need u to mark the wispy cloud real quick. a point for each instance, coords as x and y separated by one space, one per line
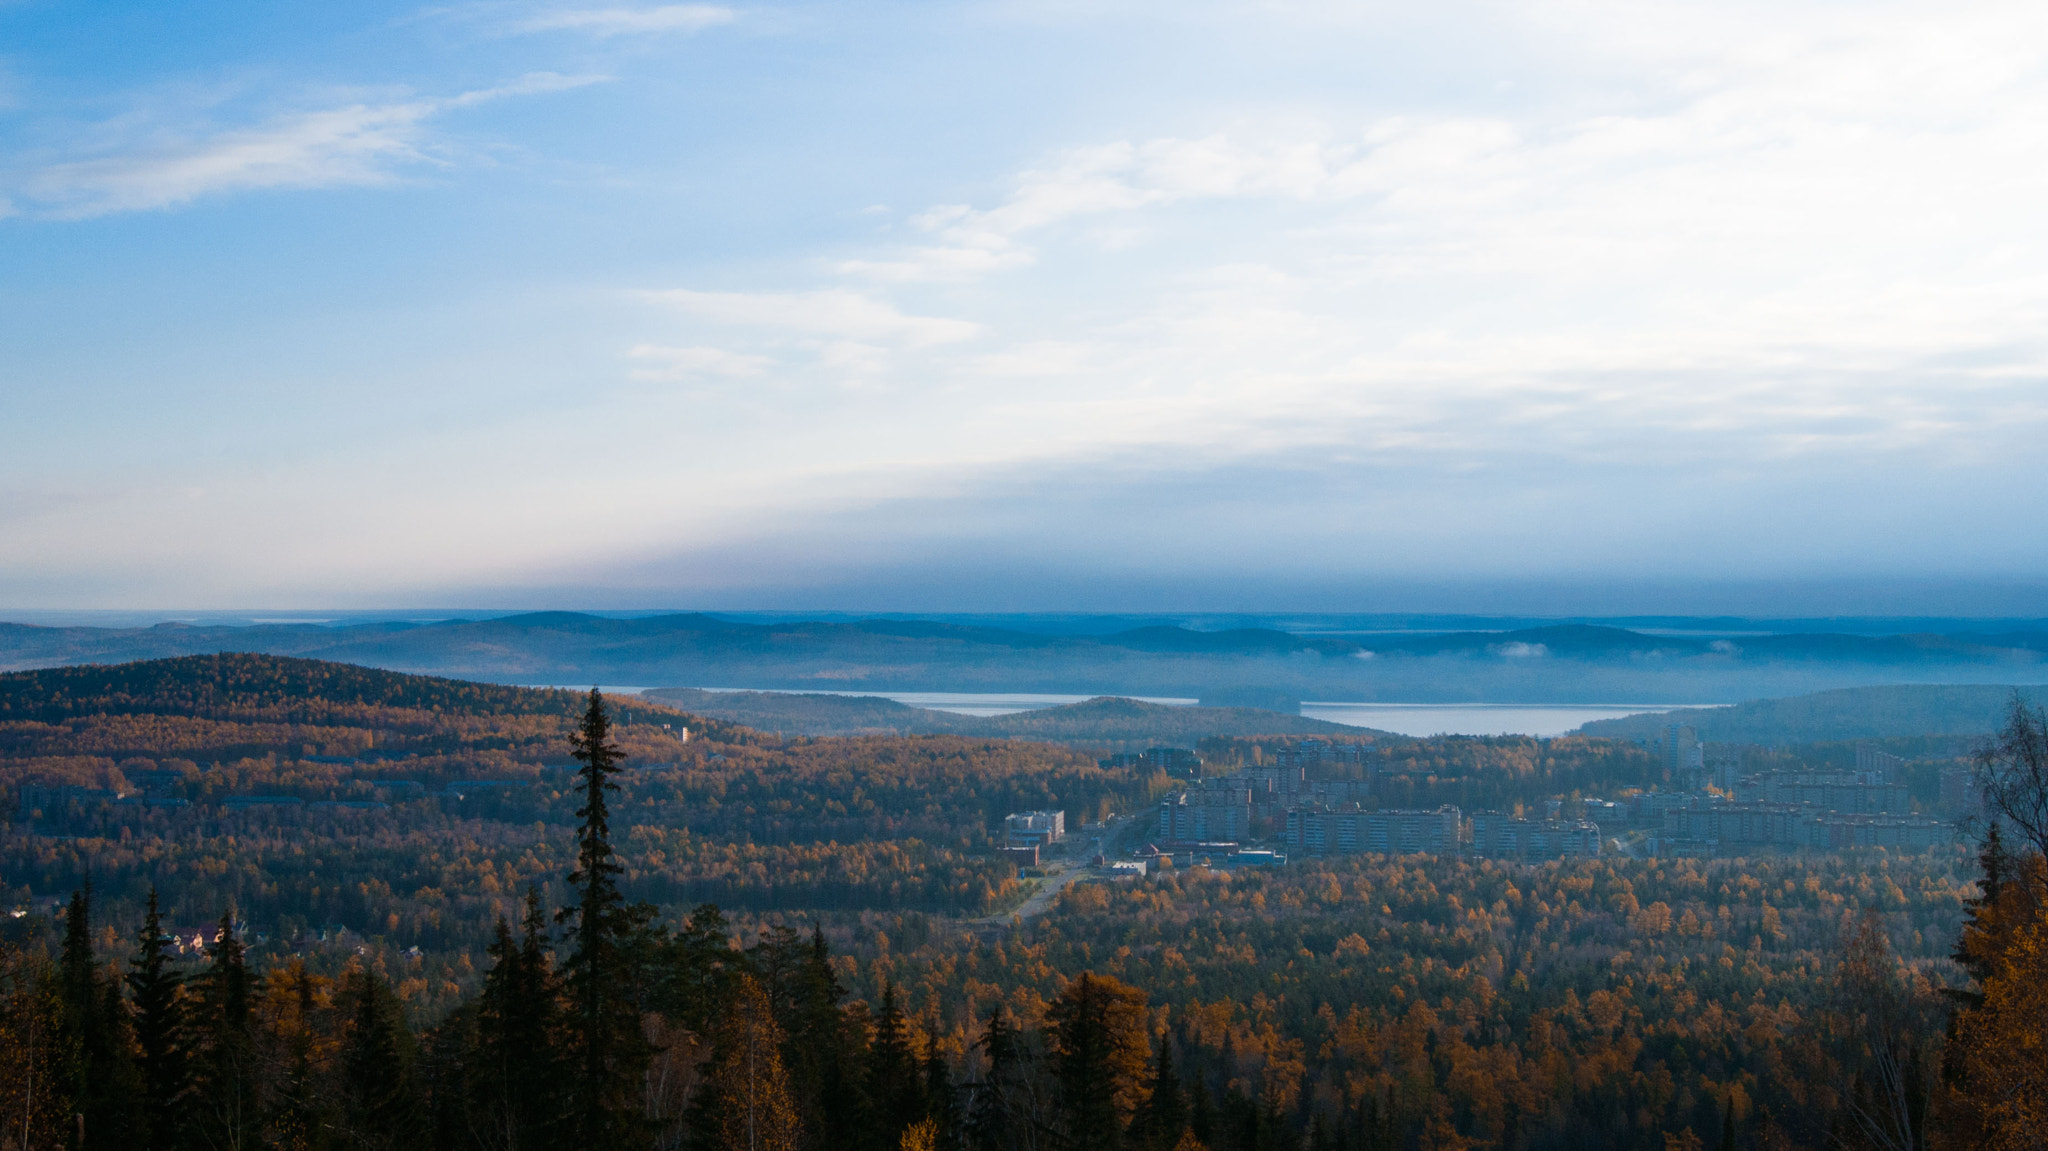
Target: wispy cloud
356 144
607 22
834 312
677 364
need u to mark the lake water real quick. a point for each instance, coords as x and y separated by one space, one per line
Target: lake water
1541 719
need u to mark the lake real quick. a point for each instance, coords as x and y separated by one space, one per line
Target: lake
1541 719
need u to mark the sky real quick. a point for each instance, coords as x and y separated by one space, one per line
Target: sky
1025 305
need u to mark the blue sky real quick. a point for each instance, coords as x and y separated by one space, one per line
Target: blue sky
1023 305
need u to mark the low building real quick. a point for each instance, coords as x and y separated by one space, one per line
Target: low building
1836 830
1034 828
1859 792
1497 835
1728 828
1327 831
1024 856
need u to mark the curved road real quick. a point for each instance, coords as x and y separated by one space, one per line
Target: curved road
1049 889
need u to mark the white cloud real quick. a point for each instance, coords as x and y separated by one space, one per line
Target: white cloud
832 312
695 362
607 22
357 144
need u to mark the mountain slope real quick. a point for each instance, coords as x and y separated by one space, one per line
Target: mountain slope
1885 712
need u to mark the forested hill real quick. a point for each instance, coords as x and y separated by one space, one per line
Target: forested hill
245 688
252 686
1882 712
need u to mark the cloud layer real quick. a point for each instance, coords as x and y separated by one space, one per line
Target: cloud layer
1317 296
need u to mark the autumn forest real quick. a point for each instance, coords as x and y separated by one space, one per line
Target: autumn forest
262 902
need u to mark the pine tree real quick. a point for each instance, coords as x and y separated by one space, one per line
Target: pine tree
383 1108
1981 939
605 1042
895 1097
1097 1031
701 966
516 1074
1164 1116
225 1115
158 994
821 1051
299 1121
993 1112
104 1085
941 1099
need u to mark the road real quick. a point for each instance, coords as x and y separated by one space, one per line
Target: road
1049 889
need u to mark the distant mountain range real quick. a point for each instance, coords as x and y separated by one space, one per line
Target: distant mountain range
1575 662
1890 711
1106 720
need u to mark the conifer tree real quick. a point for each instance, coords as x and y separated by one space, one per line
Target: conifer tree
605 1042
225 1115
701 966
104 1087
299 1119
516 1073
158 993
382 1106
1099 1049
821 1050
941 1099
992 1113
895 1096
1164 1116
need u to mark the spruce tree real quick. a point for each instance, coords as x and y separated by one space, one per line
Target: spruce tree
941 1099
383 1107
225 1116
895 1097
299 1120
821 1050
515 1071
605 1042
993 1111
104 1085
1099 1053
1159 1123
158 993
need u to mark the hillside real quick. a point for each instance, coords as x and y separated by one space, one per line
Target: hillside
249 685
1884 712
1105 720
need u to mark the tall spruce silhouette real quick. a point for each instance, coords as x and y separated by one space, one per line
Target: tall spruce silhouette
158 994
104 1090
609 1053
225 1112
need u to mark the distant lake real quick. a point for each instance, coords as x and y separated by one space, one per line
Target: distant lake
1541 719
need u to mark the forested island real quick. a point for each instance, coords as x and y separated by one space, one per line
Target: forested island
268 902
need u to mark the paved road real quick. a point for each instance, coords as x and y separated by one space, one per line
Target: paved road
1049 889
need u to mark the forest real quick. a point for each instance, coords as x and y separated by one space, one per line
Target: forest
554 963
